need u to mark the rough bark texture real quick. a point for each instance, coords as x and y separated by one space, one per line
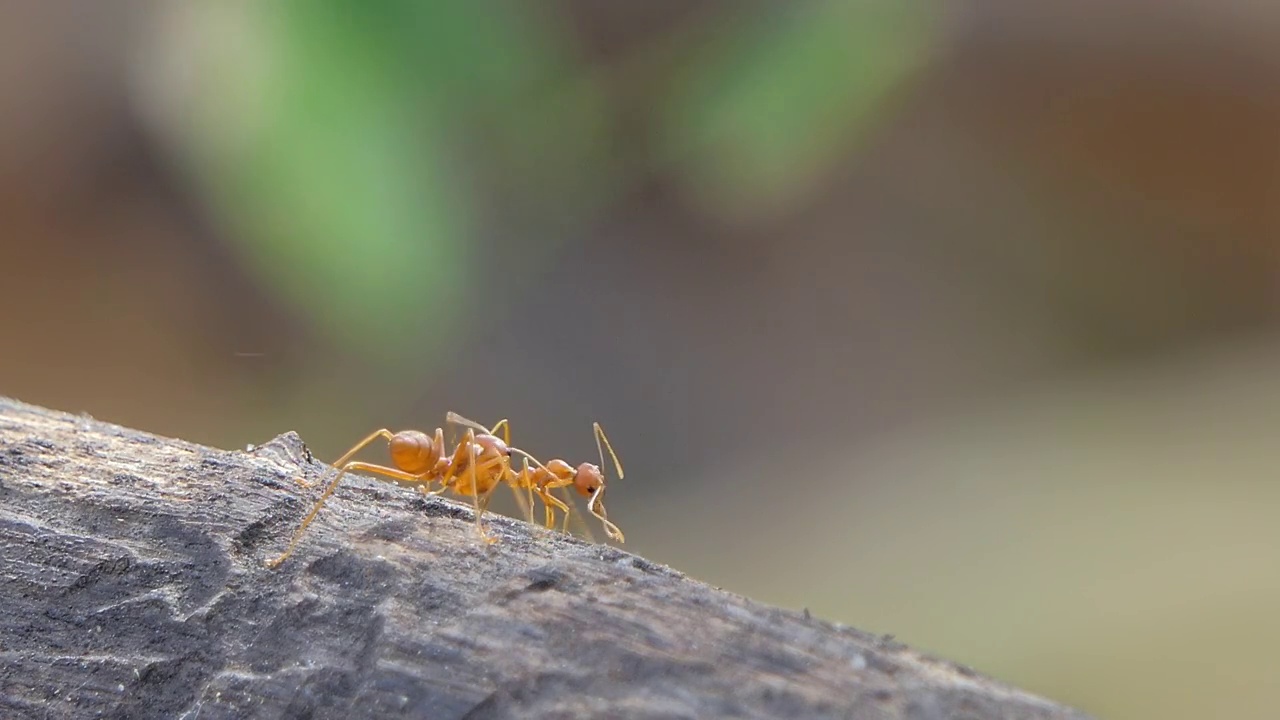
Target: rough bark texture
134 587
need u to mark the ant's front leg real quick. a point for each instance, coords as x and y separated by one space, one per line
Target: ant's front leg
610 529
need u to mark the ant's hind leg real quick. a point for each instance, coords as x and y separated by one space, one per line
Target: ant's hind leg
328 491
341 463
383 433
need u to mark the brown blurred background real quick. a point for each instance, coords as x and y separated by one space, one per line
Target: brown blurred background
956 322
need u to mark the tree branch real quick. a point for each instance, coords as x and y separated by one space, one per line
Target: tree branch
134 587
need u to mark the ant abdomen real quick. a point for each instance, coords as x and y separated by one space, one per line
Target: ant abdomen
414 452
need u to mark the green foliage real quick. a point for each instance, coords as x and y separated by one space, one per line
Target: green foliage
353 148
335 152
776 97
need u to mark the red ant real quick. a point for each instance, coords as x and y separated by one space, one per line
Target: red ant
479 463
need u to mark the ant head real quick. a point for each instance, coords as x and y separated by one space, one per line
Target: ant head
588 479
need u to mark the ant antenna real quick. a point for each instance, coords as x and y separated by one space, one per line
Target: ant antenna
600 436
602 443
603 515
535 460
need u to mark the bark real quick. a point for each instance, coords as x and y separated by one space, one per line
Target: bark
134 587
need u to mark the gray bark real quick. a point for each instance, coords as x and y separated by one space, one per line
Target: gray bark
134 587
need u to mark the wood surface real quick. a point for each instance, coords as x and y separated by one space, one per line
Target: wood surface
133 586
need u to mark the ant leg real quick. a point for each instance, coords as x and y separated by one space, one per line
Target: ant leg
438 446
526 506
568 513
475 494
383 433
506 430
547 501
574 518
383 470
548 515
328 491
484 507
523 480
609 528
394 473
451 477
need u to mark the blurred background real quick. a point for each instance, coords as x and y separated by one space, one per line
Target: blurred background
953 321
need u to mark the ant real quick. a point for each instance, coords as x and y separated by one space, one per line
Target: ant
588 479
480 462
